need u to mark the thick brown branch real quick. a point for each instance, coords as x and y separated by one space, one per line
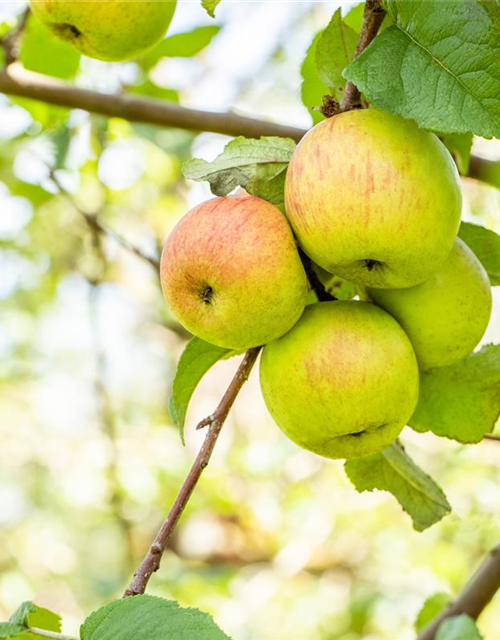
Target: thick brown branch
372 19
476 594
16 80
151 562
19 82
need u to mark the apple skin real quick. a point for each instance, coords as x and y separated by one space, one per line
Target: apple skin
111 30
231 273
343 382
374 199
446 316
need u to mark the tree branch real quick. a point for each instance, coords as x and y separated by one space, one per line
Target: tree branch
485 170
50 634
151 561
372 19
12 41
476 594
96 226
18 81
491 436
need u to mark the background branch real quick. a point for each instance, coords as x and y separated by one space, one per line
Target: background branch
12 41
98 227
18 81
151 562
476 594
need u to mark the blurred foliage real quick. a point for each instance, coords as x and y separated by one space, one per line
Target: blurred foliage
275 543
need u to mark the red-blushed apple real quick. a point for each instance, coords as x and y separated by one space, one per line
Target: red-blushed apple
111 30
374 199
343 382
446 316
231 273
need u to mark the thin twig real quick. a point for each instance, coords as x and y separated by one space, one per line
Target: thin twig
474 597
491 436
50 634
96 226
372 19
151 561
12 41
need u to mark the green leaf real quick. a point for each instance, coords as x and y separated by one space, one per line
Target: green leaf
460 146
394 471
180 45
354 17
61 140
198 357
438 65
30 615
210 6
460 627
146 617
431 609
47 54
461 401
22 613
312 89
152 90
9 630
335 285
334 50
486 245
259 166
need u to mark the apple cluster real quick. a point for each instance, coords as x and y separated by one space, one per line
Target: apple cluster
371 198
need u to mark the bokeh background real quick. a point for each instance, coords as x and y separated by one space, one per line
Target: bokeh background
276 544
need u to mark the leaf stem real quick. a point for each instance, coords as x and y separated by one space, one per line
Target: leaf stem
50 634
215 422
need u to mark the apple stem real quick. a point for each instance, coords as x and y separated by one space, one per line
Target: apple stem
316 285
215 422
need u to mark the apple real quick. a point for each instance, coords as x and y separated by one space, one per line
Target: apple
343 382
374 199
446 316
107 29
231 272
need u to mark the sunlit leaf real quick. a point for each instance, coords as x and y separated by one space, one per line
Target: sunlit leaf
151 618
461 401
394 471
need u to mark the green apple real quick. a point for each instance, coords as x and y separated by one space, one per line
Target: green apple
446 316
231 273
343 382
374 199
107 29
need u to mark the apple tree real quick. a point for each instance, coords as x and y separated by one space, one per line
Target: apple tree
337 255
